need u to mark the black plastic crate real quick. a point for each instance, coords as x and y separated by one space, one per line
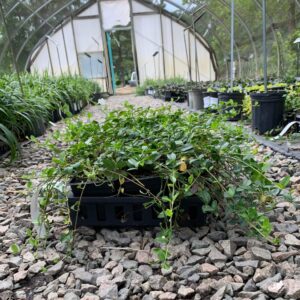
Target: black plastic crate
117 211
152 183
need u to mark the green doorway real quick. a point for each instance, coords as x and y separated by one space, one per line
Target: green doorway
120 55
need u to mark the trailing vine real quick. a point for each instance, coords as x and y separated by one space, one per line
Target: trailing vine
193 154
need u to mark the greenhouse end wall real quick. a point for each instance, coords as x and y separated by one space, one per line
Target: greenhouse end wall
67 50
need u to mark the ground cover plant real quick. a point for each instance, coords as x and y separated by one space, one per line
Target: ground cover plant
193 154
23 111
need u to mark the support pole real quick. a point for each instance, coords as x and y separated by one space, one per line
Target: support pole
197 71
105 50
75 45
59 61
264 44
232 46
298 60
11 49
162 42
173 50
133 40
65 48
50 59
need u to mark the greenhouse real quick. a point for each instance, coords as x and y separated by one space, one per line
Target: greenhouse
149 149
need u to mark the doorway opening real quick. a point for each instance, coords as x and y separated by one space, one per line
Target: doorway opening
119 42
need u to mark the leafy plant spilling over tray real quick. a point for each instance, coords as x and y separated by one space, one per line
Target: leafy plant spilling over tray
193 155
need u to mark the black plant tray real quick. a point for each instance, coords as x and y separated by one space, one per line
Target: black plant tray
124 212
92 189
152 183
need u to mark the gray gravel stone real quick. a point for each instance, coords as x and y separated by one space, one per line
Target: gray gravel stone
145 270
71 296
108 291
6 284
186 292
157 282
261 254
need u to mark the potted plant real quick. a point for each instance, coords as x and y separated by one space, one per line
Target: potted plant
234 95
195 95
191 155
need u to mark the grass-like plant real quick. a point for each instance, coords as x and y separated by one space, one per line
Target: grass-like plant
21 113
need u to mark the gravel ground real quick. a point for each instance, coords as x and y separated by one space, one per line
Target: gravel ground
214 262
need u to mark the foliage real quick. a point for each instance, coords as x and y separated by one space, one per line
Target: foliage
193 154
159 84
22 112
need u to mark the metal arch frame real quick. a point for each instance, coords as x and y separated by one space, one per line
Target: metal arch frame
203 39
88 4
228 31
16 32
76 12
200 38
41 26
12 8
249 34
222 50
52 30
258 4
55 28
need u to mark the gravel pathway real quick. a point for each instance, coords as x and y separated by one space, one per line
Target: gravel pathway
214 262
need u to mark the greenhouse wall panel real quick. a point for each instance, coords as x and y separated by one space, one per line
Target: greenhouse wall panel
42 62
115 13
70 48
140 8
90 11
168 46
180 52
148 42
86 32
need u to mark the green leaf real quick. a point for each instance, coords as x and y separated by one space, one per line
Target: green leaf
230 193
161 254
284 182
204 196
15 249
169 213
133 162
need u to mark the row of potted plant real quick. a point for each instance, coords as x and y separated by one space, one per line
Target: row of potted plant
267 111
27 109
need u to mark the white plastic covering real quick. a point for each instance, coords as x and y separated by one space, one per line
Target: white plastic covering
42 62
139 8
90 11
148 31
86 32
148 41
70 46
115 13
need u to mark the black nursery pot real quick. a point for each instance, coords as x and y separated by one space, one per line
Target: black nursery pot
96 97
56 115
3 148
236 98
39 128
74 109
267 110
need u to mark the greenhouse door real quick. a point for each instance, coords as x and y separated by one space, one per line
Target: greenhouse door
121 62
111 62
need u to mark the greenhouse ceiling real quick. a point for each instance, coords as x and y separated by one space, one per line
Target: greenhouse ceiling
30 21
